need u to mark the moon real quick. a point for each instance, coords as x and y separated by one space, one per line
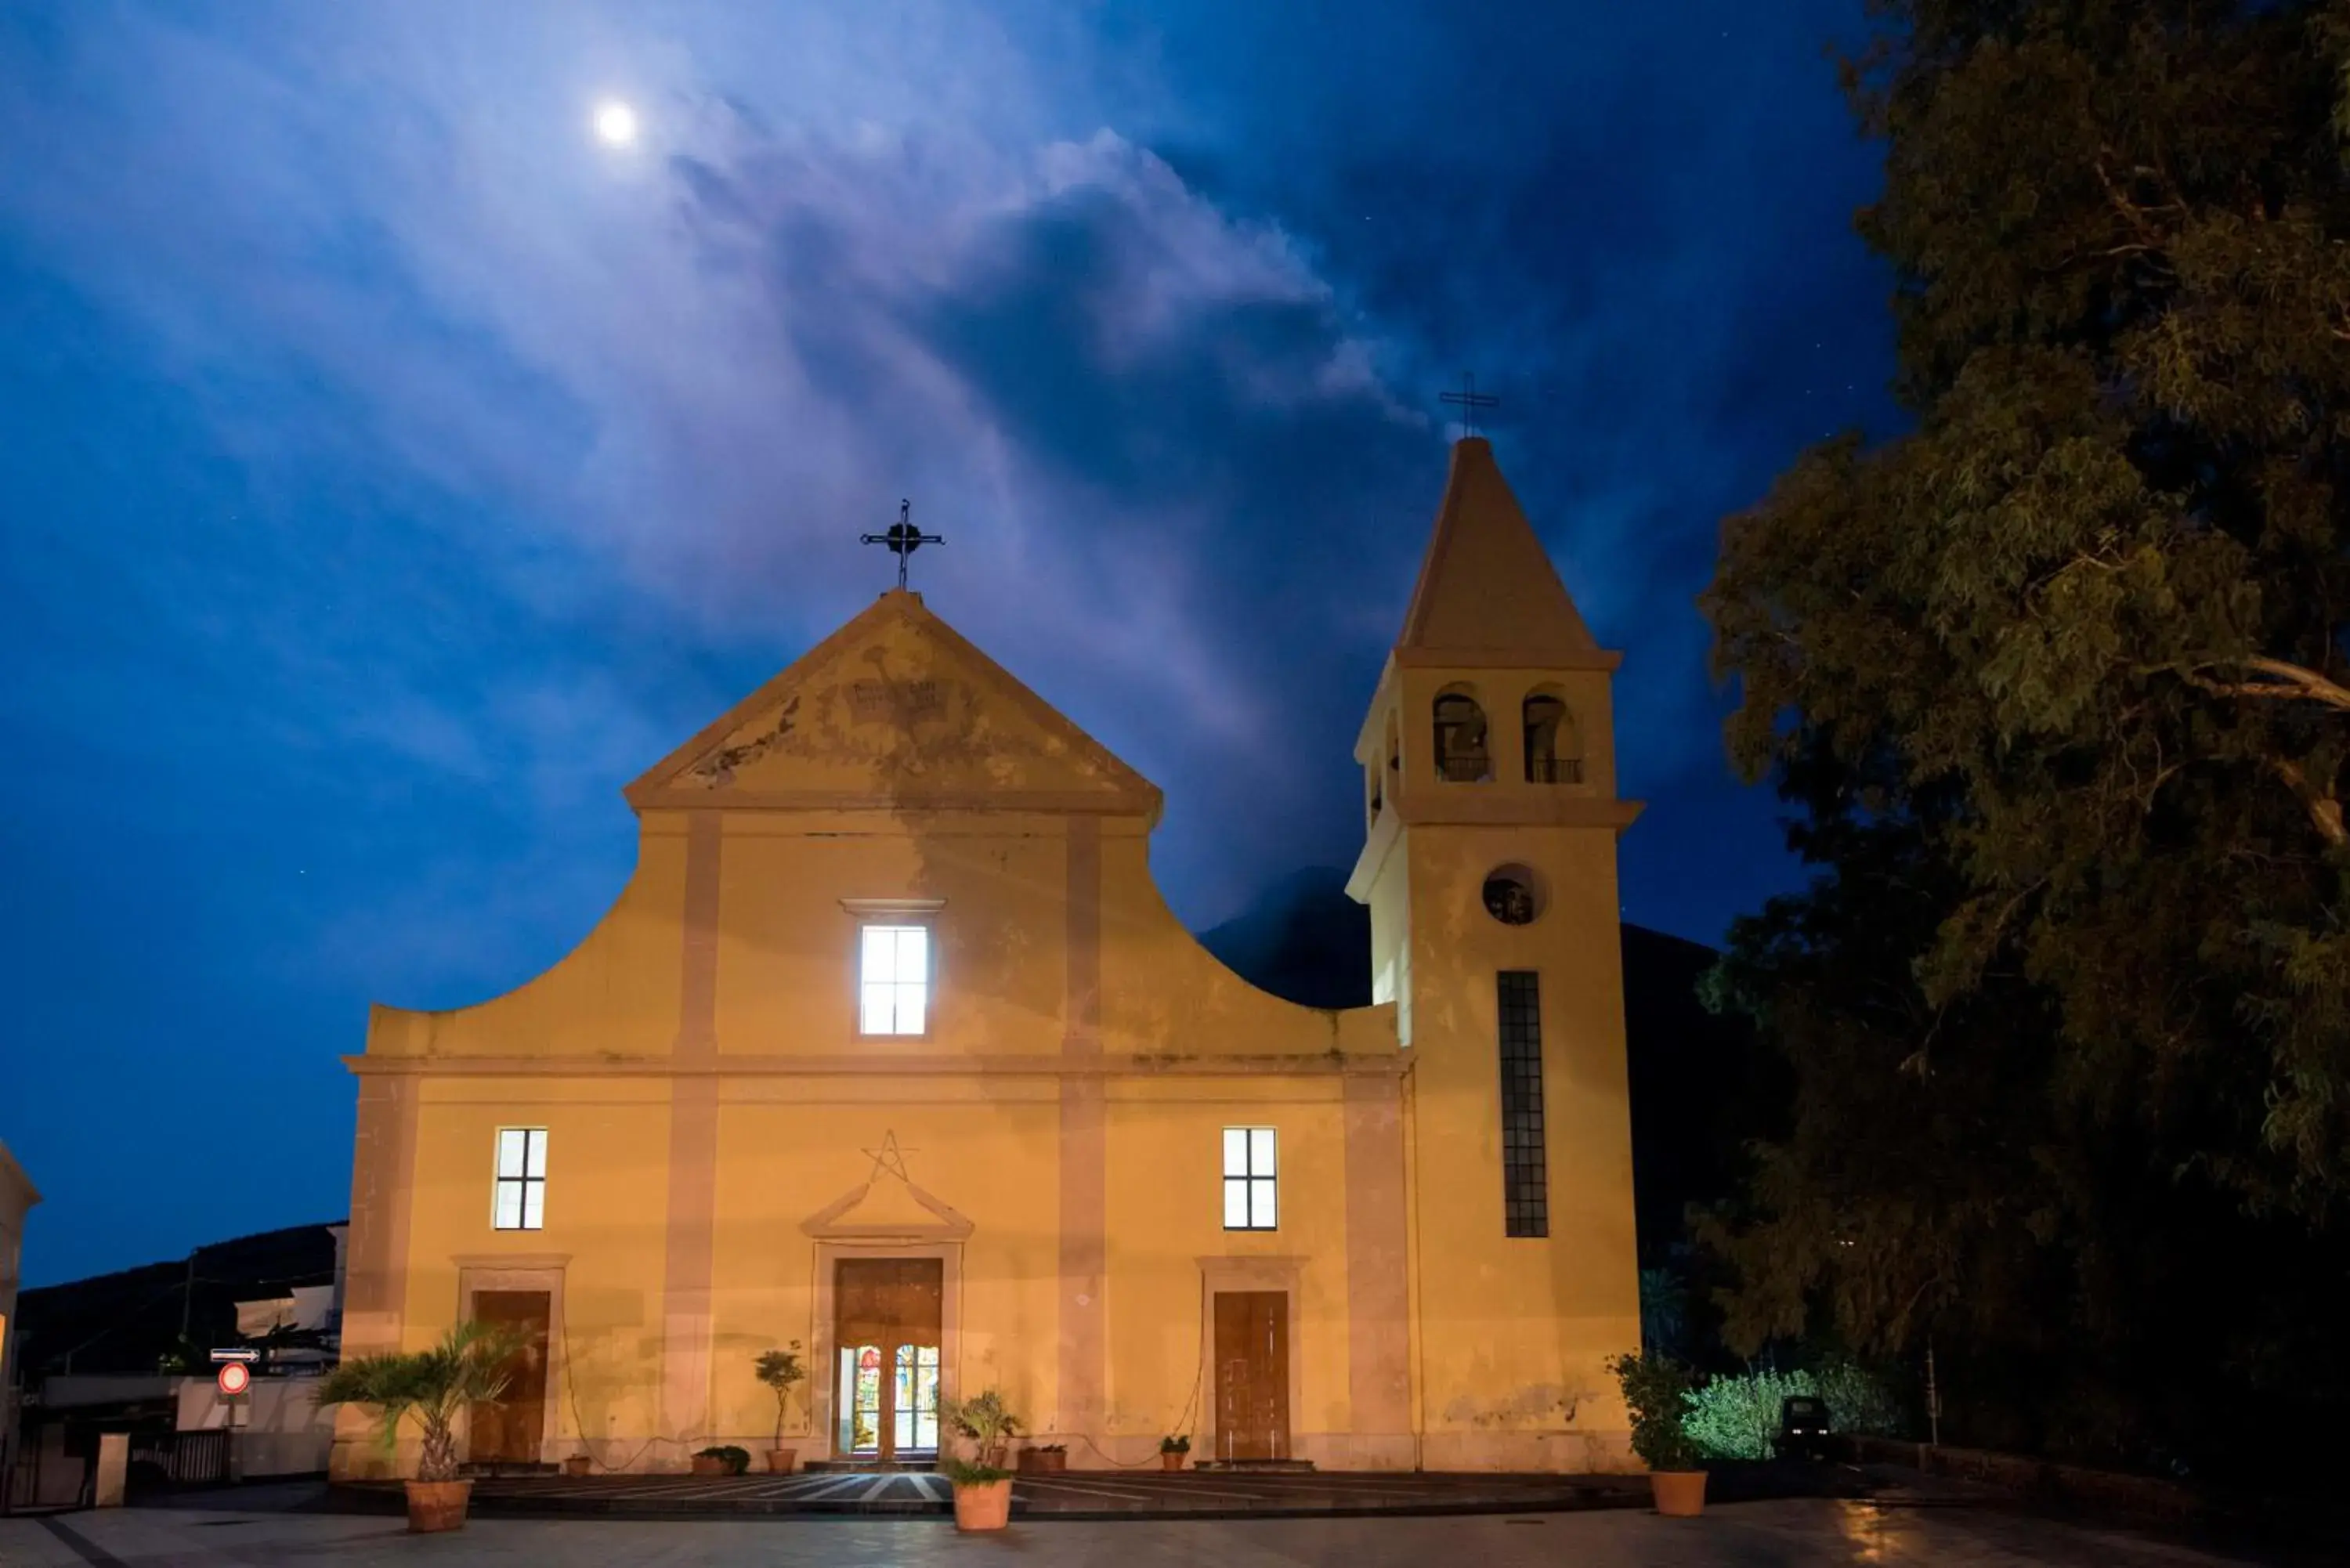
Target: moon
616 123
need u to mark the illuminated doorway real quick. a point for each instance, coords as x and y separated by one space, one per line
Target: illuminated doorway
888 1314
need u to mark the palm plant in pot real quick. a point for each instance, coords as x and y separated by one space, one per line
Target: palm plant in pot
468 1368
982 1486
1656 1393
780 1371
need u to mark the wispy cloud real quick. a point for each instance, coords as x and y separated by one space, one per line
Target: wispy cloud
391 470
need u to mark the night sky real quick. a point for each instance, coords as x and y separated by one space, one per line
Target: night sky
391 470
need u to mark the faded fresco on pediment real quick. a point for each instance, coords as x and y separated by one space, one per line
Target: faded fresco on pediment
899 713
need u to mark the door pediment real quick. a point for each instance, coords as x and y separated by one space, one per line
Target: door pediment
886 1207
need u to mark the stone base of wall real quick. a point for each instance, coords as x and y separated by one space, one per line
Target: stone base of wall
1323 1450
1361 1450
1558 1451
366 1459
1555 1452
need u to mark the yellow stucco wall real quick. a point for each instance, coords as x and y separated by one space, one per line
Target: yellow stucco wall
615 993
1165 1215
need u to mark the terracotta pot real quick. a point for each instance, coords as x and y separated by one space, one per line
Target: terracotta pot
1680 1494
1172 1461
987 1506
781 1461
578 1465
703 1467
437 1505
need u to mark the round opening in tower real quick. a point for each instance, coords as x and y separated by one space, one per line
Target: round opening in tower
1514 895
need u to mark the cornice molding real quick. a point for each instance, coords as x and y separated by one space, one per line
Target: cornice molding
1299 1064
905 802
1605 660
1494 805
864 908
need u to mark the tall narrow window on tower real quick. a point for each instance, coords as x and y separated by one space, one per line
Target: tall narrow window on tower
1525 1176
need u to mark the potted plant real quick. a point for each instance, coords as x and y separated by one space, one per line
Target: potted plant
1171 1451
1656 1392
467 1367
724 1459
982 1486
579 1464
1046 1459
781 1370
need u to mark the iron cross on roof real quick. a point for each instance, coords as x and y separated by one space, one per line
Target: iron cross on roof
1469 399
902 539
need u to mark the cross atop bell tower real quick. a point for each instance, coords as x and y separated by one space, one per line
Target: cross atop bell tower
1469 399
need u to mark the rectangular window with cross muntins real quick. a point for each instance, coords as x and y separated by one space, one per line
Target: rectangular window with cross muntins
1251 1184
518 1192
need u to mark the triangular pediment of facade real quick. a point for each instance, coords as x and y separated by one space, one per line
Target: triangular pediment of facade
896 712
1488 594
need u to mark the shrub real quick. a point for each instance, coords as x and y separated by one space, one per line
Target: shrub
737 1460
1859 1400
1737 1417
989 1426
779 1370
1656 1392
467 1367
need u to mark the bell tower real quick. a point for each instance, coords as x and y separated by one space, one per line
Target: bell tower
1489 866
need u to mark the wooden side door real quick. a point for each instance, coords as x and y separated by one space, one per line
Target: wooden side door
1251 1375
512 1430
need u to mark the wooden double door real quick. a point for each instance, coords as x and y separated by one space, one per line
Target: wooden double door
1251 1375
513 1430
887 1323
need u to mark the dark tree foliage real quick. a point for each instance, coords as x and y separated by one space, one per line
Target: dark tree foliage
2059 683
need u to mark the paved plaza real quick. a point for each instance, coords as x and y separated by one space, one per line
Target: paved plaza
1940 1528
1110 1494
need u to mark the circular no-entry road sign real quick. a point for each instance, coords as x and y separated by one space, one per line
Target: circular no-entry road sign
235 1378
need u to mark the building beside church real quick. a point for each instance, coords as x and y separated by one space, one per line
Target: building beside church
17 1197
892 1048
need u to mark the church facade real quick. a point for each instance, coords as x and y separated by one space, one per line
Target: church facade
891 1051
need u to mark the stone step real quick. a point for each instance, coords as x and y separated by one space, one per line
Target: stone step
869 1467
1260 1466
